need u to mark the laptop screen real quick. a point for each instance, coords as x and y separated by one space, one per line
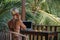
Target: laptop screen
28 24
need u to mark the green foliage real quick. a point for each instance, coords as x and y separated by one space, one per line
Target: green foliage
5 14
48 16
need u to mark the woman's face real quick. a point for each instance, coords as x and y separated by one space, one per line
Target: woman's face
15 17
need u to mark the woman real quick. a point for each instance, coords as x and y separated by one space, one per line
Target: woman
15 24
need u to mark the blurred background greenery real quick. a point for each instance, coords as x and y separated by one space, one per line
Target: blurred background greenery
45 12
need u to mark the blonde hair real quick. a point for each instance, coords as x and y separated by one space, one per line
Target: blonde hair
15 9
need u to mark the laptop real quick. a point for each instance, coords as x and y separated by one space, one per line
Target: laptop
28 25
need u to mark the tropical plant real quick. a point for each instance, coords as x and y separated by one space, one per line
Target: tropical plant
38 11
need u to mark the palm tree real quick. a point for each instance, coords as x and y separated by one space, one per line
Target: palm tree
49 11
23 9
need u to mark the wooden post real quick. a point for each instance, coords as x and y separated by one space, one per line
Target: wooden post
23 10
55 29
56 34
50 28
46 28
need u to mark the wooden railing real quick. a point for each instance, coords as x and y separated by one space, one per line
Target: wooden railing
38 32
42 32
8 35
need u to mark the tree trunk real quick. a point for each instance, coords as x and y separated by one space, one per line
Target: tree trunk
23 10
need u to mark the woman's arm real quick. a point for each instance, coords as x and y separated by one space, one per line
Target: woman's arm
20 22
22 25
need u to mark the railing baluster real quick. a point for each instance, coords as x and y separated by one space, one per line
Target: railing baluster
41 37
56 35
10 35
46 28
46 37
42 28
53 27
30 37
50 28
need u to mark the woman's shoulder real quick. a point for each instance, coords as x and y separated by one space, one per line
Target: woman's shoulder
10 21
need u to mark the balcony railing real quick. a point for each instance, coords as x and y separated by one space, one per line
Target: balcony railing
38 32
42 32
8 35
